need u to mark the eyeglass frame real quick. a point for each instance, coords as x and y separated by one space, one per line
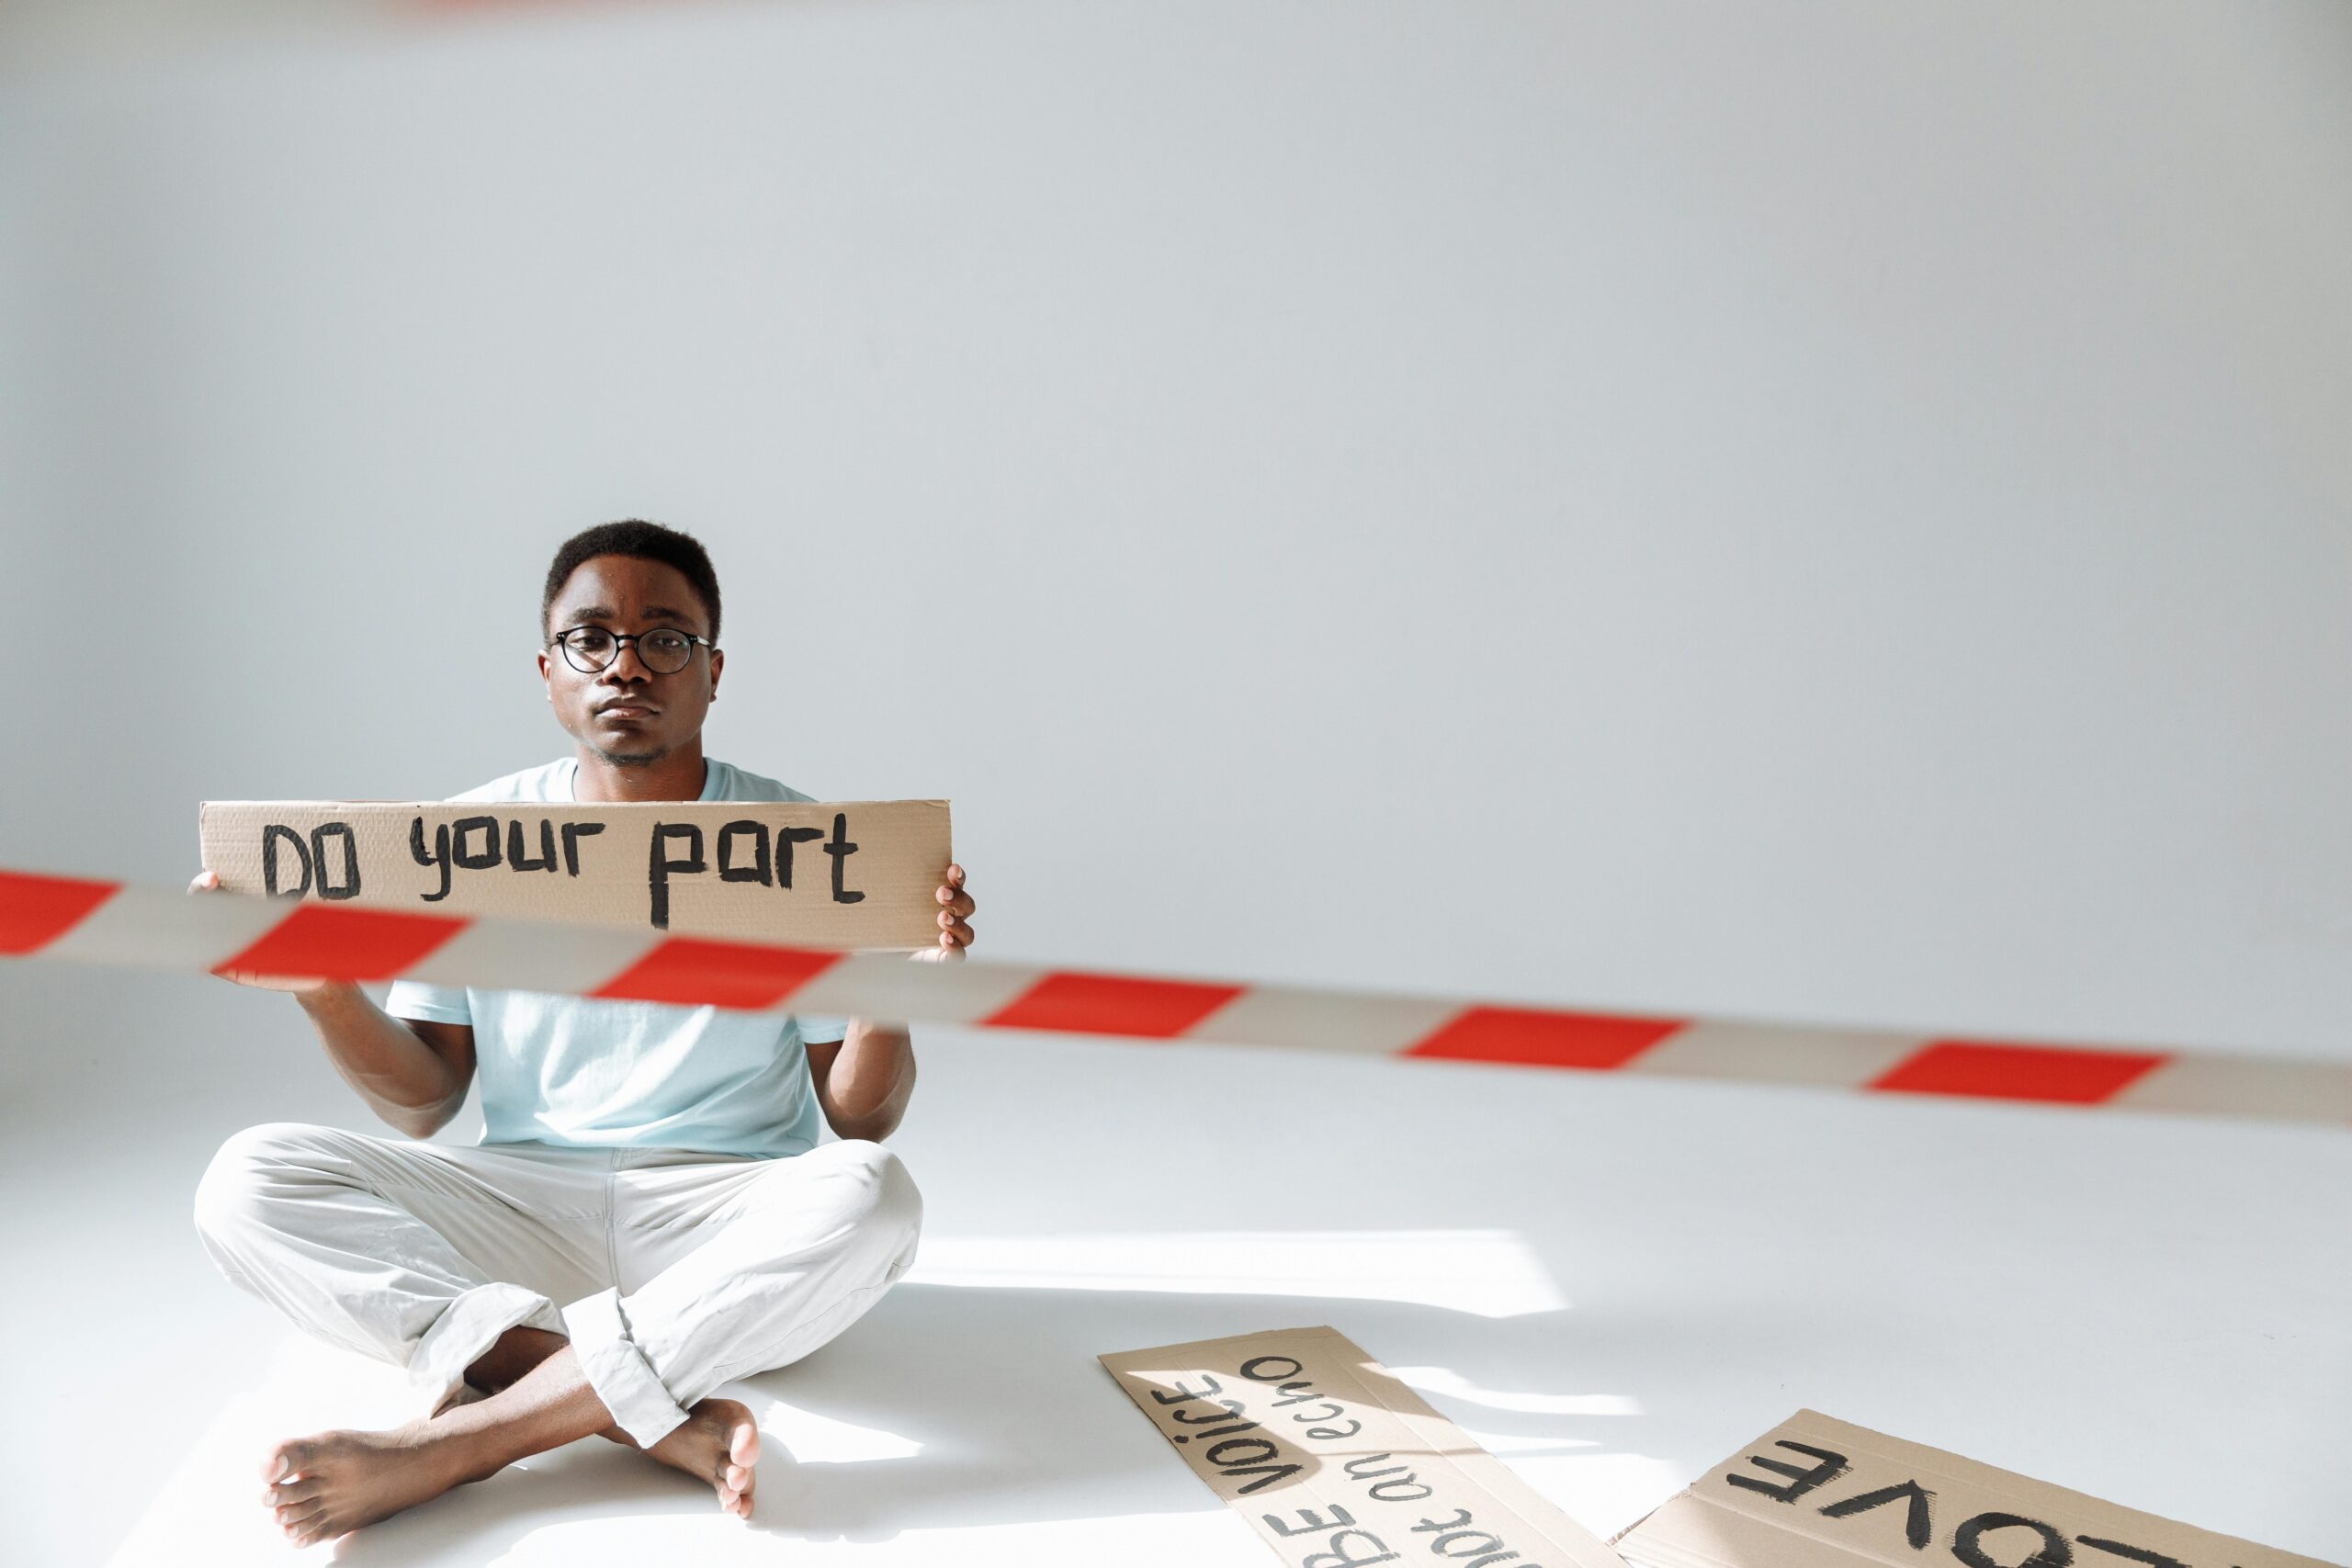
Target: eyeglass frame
620 639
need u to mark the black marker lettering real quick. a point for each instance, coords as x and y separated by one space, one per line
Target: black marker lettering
1180 1394
440 855
1481 1542
2054 1551
1241 1450
515 856
784 838
1371 1458
349 886
1308 1519
572 833
483 858
1339 1556
841 849
1220 1409
1267 1476
1916 1524
269 841
755 871
660 866
1801 1481
1251 1368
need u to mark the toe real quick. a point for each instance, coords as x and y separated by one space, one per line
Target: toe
317 1528
744 1449
285 1461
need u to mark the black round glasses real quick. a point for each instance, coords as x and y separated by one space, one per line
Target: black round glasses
591 649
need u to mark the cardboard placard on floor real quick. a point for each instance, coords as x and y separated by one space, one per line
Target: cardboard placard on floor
1337 1465
830 875
1816 1492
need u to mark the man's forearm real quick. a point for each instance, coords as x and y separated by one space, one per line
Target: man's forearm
871 1080
403 1079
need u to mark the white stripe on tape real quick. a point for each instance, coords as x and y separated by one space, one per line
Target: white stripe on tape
886 985
564 960
1323 1021
168 930
1772 1053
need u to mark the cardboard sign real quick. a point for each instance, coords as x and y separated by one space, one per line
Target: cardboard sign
1820 1493
855 874
1335 1464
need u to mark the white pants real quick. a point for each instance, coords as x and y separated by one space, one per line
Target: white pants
679 1269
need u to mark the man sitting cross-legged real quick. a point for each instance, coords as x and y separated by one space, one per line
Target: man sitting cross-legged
649 1212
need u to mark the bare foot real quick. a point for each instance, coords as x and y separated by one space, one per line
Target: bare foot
324 1486
718 1443
718 1438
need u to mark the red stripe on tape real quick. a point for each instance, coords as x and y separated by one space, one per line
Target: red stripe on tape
36 910
1540 1037
1113 1004
690 972
345 944
1984 1070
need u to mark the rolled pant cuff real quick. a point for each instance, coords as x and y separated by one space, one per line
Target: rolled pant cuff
471 1325
617 1369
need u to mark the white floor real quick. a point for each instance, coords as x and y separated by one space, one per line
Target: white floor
1611 1283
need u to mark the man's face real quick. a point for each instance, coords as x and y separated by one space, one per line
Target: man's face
626 714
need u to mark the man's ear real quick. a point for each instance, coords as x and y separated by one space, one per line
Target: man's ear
545 673
717 663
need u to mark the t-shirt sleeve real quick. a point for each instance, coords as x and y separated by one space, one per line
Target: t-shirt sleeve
823 1031
433 1004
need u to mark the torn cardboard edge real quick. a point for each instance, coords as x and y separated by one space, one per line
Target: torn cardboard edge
851 874
1335 1463
1819 1493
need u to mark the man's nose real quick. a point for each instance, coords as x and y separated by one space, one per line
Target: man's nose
635 670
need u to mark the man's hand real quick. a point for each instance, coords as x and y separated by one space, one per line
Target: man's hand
954 934
414 1075
206 882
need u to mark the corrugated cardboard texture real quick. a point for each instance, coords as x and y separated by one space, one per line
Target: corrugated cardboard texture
848 875
1335 1463
1816 1493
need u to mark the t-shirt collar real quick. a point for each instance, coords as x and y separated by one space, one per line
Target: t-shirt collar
709 779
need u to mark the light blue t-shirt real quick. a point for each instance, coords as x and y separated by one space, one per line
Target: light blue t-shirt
586 1074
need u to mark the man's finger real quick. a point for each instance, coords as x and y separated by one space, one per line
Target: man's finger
954 875
958 902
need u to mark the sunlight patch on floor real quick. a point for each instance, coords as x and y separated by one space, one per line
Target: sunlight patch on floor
1490 1273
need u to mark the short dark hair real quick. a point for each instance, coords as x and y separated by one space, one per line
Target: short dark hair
645 541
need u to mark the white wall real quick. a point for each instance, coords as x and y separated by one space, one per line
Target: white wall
1827 511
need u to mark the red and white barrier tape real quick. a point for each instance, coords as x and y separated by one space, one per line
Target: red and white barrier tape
110 922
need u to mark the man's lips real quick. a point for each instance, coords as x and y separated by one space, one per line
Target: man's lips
627 710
